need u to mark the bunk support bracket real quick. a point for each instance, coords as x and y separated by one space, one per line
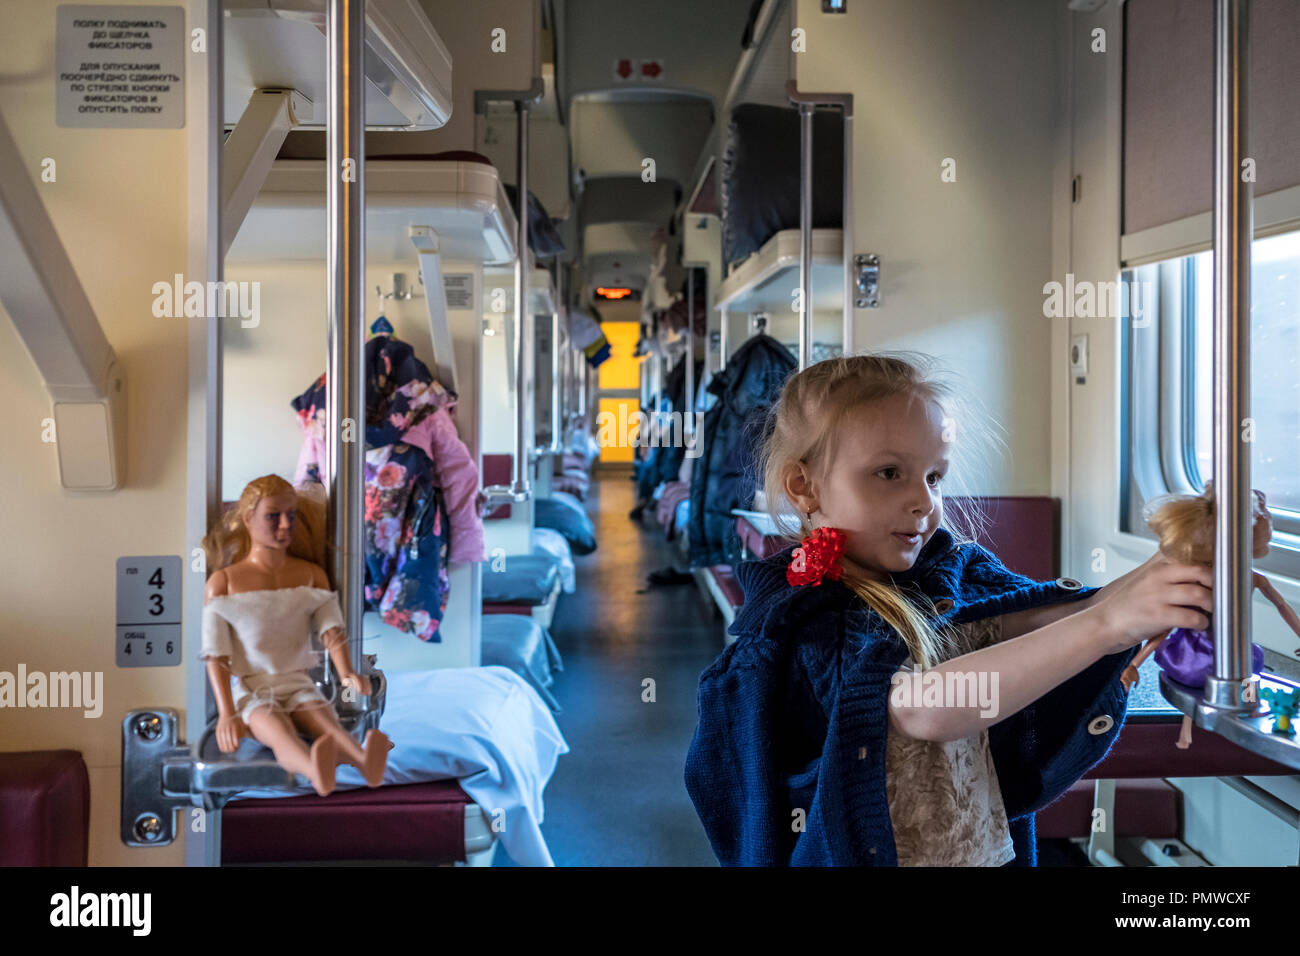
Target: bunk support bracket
160 776
250 152
58 325
425 240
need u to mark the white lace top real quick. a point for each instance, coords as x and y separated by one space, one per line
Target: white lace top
269 632
945 803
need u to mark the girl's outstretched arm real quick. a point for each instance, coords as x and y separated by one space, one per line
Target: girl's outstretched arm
977 690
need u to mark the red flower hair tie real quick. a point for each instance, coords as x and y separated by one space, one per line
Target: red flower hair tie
817 556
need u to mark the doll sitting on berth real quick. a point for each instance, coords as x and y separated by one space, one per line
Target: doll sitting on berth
268 592
1185 525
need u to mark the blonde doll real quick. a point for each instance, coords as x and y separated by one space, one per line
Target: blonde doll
1185 526
268 592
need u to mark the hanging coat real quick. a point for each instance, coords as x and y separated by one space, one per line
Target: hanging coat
421 498
725 475
665 460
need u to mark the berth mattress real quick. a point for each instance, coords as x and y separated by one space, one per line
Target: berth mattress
524 646
484 726
525 579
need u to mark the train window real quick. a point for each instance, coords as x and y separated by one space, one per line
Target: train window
1169 387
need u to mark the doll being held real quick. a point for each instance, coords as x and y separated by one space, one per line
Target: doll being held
1185 525
268 592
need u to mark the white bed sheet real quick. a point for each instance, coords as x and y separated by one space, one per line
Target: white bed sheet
483 725
550 541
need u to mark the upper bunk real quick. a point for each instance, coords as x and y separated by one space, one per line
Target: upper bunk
281 44
461 199
751 176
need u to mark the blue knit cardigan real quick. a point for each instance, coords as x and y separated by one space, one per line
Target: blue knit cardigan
792 715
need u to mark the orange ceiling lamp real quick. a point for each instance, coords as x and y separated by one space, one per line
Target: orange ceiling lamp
613 293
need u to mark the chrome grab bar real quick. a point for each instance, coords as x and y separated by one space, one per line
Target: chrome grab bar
345 401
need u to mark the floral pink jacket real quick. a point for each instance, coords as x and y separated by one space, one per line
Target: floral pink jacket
457 474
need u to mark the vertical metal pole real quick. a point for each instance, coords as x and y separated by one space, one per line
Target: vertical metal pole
688 399
847 231
1233 231
722 338
805 232
524 344
556 446
346 414
581 386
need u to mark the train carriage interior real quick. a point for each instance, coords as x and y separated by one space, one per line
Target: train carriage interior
399 402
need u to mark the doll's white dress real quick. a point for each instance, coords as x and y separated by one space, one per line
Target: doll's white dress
267 637
945 803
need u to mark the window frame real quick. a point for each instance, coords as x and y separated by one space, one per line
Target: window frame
1158 406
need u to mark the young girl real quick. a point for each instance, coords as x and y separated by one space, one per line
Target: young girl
818 743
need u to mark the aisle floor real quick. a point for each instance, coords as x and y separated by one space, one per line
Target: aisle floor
618 798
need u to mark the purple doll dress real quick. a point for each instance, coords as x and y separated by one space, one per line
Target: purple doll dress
1187 656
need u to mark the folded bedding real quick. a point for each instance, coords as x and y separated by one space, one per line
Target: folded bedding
549 541
760 176
524 646
563 513
523 579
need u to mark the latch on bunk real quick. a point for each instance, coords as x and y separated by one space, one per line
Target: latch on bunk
868 281
160 773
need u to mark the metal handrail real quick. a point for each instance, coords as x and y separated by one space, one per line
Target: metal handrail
525 342
807 102
688 405
1232 238
345 401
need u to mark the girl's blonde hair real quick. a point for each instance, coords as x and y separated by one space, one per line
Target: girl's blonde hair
804 428
228 542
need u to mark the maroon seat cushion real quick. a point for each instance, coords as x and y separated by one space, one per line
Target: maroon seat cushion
496 471
727 583
415 821
1144 804
525 609
1142 808
1022 531
44 809
1146 749
758 544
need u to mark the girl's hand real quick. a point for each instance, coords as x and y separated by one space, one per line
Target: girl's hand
358 682
229 730
1152 600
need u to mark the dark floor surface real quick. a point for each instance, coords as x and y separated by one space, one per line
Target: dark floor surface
617 798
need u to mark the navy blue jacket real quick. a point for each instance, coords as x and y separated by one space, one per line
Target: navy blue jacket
726 472
793 714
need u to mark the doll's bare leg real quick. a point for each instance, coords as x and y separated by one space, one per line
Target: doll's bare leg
371 761
272 727
1185 734
1129 676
